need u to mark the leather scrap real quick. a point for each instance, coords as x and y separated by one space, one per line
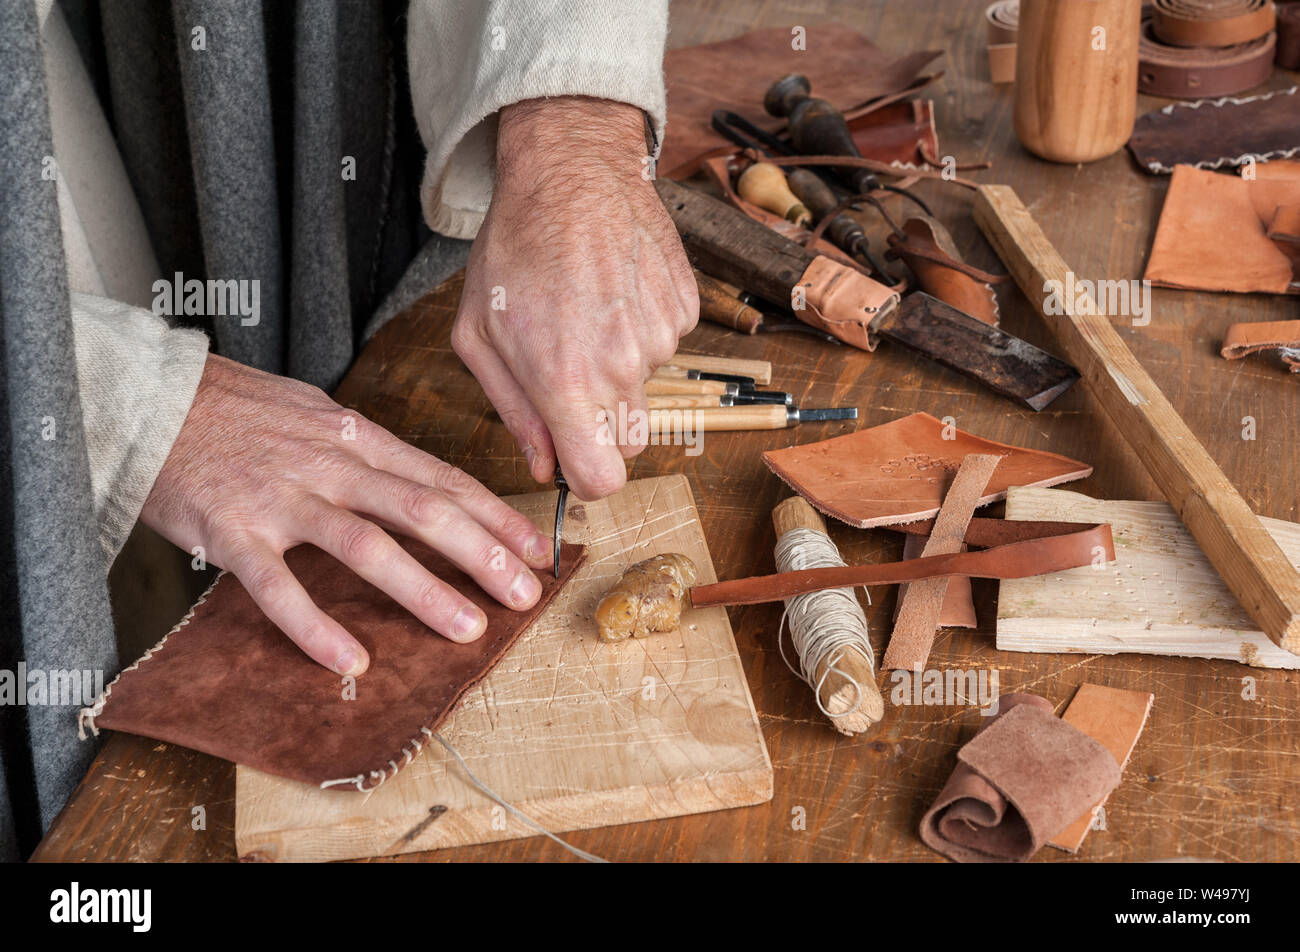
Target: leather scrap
1199 72
1288 36
1212 134
1213 232
898 471
1003 21
842 301
1211 22
1036 549
1251 338
1020 781
227 682
958 609
922 603
929 251
843 66
1114 718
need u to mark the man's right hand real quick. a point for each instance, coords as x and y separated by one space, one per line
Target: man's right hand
264 463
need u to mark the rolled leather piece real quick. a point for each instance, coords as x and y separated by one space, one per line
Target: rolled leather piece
1003 19
1186 72
929 251
1211 22
841 301
1250 338
1025 777
227 682
1288 36
1212 134
1040 548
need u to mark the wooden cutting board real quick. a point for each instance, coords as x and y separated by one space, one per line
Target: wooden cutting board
1160 596
573 732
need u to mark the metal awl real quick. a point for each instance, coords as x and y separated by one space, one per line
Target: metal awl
560 503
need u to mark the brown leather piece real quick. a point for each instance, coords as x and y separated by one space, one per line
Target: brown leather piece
923 245
1040 548
229 683
958 609
842 301
1250 338
1211 22
1114 718
1288 36
900 133
922 603
898 471
1213 231
1023 779
843 66
1216 134
1201 72
1003 21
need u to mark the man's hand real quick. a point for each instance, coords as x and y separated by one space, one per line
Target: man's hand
264 463
577 287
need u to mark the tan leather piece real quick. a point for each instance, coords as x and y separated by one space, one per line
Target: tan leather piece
1250 338
958 609
841 301
898 471
1036 549
1003 21
1211 236
1022 779
846 69
228 683
1201 72
922 603
1285 225
1211 22
1114 718
923 241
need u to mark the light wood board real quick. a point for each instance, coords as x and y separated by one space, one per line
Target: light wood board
573 732
1160 596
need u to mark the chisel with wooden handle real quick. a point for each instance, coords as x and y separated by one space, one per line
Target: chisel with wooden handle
769 417
659 386
846 303
1251 562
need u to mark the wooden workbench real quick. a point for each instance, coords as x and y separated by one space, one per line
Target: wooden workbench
1213 775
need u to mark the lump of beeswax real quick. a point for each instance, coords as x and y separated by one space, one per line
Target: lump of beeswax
648 598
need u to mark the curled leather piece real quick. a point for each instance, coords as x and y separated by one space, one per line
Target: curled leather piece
1039 549
927 248
1250 338
1197 72
841 301
1211 22
1024 778
1003 20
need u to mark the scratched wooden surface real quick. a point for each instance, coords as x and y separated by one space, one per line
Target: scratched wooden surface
1213 774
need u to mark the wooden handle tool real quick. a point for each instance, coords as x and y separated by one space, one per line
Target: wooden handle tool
838 692
759 370
763 184
1250 561
718 305
763 416
663 386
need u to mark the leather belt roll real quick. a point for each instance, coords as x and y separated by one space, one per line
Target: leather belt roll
1211 22
1179 72
1288 36
1003 19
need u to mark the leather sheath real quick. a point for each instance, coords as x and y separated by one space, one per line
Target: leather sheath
1211 22
1218 134
227 682
1199 72
899 471
929 251
841 301
1250 338
1036 551
1288 36
1024 778
843 66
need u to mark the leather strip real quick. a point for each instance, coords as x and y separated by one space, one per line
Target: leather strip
1250 338
1023 779
921 604
841 301
1040 548
1211 22
1003 19
1184 72
1211 134
228 683
1288 36
928 250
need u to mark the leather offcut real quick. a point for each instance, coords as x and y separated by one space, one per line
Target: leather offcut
230 684
1214 134
841 301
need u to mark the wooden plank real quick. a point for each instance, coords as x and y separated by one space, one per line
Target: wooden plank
1160 596
573 732
1262 578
